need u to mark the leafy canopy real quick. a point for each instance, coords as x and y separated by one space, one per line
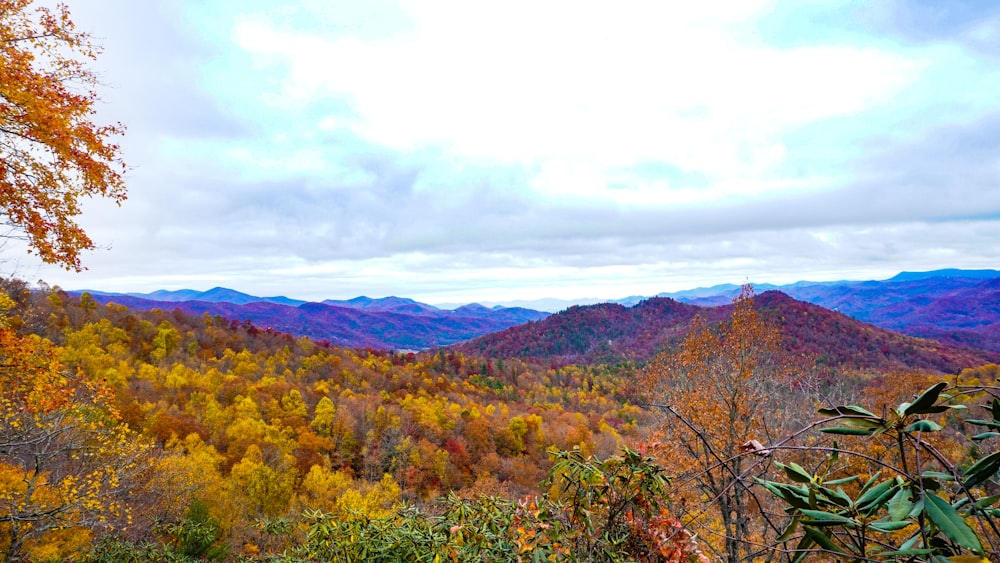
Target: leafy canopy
51 152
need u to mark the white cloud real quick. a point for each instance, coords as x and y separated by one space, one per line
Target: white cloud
581 87
466 151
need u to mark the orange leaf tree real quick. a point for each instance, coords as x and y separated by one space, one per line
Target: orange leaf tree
52 153
718 388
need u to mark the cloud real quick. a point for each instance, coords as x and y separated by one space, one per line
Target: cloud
451 149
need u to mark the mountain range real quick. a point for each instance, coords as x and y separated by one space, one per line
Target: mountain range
818 337
960 308
363 322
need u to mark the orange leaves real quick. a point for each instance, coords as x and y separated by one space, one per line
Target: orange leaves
718 387
51 152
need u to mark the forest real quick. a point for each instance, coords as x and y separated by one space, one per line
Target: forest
761 431
156 435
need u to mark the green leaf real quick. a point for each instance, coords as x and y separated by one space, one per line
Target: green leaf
988 423
848 431
823 540
805 544
849 410
925 401
987 501
843 481
948 477
995 409
923 425
874 498
986 435
982 469
789 530
821 518
948 521
796 473
900 505
871 481
795 496
838 497
890 526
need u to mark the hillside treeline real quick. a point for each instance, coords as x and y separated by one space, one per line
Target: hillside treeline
157 435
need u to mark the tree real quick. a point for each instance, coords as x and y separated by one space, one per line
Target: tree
718 388
67 463
52 153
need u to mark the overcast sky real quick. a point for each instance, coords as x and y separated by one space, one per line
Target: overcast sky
488 151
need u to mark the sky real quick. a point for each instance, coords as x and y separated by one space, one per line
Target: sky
496 151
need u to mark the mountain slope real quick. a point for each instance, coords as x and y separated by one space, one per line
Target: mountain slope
821 338
345 326
591 333
955 306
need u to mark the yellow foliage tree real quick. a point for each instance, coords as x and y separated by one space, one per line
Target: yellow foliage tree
66 460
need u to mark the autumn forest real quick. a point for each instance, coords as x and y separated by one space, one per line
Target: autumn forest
765 429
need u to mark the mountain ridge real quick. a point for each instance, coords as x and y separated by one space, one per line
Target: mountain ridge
821 338
958 307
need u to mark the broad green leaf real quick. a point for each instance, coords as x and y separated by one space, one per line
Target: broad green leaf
987 501
926 399
871 481
988 423
982 469
821 518
848 431
878 495
986 435
844 480
923 426
937 475
789 530
850 410
900 505
995 409
823 540
835 497
890 526
950 523
795 496
796 473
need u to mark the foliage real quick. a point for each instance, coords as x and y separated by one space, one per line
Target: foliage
718 390
920 503
51 152
261 426
66 461
603 511
198 533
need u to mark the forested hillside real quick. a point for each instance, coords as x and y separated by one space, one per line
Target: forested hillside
211 438
959 307
814 338
257 425
390 323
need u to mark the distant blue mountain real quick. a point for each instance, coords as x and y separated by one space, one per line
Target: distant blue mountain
951 305
388 322
214 295
946 273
